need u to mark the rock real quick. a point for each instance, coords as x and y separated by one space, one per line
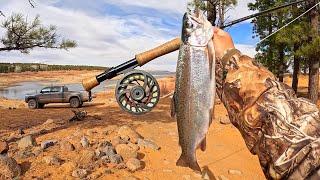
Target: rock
121 166
52 160
116 159
9 168
68 167
126 151
117 140
48 143
222 177
133 164
86 157
84 142
26 142
20 131
66 145
26 153
108 130
37 151
134 146
105 160
148 144
224 120
125 131
234 172
104 144
80 173
91 132
49 121
105 151
4 148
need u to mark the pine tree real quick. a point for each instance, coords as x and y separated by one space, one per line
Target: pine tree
22 35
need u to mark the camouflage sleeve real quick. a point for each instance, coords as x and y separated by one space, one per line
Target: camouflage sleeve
281 129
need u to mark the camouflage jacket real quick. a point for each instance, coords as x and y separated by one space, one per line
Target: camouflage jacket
283 130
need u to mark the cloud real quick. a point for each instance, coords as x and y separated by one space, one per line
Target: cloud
108 32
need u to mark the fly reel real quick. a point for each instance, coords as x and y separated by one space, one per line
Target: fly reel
137 92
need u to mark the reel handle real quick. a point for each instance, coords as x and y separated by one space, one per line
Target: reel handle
161 50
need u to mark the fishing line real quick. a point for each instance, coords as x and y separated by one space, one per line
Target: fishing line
288 23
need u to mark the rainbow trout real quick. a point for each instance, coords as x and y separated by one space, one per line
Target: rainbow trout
193 100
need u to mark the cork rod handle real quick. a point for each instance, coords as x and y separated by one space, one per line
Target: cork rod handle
90 83
164 49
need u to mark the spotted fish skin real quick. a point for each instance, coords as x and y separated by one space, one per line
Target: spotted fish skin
195 88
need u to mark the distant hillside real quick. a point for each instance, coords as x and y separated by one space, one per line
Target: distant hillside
34 67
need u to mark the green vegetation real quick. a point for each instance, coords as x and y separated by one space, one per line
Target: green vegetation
33 67
22 35
295 47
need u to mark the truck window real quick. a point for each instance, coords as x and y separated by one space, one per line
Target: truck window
56 89
65 89
45 90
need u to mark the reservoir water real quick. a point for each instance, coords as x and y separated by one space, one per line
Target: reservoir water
19 90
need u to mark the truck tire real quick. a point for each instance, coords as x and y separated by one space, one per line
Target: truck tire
32 104
74 102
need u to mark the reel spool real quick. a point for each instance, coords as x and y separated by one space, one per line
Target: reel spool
138 92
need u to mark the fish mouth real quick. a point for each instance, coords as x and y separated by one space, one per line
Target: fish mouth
196 30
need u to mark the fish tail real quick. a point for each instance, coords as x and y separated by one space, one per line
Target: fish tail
186 161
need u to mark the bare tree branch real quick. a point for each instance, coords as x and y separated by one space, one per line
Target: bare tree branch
31 2
1 14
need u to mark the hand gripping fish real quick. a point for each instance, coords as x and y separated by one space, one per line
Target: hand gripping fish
193 101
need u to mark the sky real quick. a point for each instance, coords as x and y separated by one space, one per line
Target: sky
110 32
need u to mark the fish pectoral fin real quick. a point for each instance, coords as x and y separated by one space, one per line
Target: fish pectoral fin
203 144
184 161
173 105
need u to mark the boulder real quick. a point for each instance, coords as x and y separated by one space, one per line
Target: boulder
48 143
117 140
26 153
105 151
80 173
126 131
49 121
9 168
67 146
148 144
52 160
37 150
134 164
84 142
126 152
115 159
26 142
4 148
68 167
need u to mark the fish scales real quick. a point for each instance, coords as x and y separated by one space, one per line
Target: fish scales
194 93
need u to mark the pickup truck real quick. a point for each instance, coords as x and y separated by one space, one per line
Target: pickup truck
57 94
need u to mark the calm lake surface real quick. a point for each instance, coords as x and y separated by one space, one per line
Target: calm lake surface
18 91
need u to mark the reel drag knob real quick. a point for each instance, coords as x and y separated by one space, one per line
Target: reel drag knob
138 92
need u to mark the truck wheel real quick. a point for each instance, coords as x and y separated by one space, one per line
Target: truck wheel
32 104
74 102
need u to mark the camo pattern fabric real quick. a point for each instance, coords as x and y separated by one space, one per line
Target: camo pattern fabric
281 129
